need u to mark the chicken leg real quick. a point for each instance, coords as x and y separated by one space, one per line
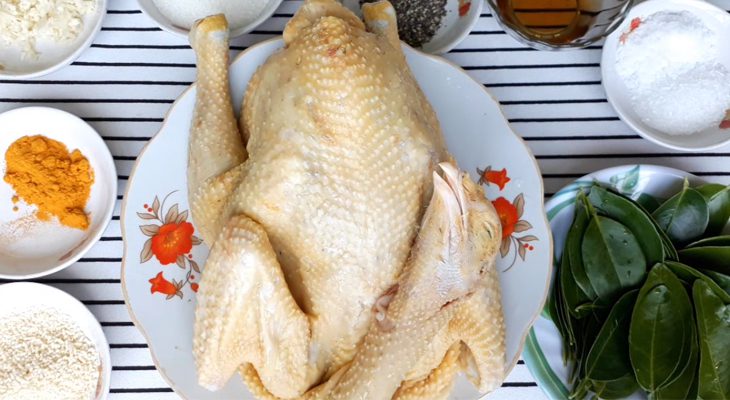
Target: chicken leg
216 149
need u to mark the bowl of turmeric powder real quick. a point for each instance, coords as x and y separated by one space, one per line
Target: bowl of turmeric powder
58 187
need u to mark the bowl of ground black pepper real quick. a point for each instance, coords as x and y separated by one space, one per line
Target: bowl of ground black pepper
58 186
433 26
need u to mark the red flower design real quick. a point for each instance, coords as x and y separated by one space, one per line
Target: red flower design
725 124
635 23
464 7
508 216
498 178
171 241
162 285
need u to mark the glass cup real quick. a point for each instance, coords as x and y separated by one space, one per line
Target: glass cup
559 24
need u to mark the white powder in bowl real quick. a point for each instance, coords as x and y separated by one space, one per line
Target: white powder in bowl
670 65
23 22
184 13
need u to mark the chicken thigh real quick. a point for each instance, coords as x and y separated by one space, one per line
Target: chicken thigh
344 262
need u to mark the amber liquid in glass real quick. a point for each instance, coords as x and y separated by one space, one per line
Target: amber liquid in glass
559 21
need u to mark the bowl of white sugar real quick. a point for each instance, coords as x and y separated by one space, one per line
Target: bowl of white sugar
178 16
666 72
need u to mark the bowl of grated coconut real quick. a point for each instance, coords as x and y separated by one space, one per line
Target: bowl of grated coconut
51 346
38 37
666 72
178 16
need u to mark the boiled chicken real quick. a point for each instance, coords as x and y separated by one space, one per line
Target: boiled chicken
350 258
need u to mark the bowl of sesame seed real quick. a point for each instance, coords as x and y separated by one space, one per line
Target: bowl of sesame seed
433 26
51 346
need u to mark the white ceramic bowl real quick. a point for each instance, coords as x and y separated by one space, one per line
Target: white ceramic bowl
543 351
19 296
149 8
454 26
38 249
52 56
617 91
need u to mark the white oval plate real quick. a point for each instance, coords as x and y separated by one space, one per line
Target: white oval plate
52 56
44 248
476 133
19 296
617 92
544 350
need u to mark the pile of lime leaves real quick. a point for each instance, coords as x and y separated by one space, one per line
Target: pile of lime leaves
641 295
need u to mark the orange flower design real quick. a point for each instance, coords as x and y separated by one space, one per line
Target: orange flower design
498 178
171 241
635 23
510 216
464 6
162 285
507 216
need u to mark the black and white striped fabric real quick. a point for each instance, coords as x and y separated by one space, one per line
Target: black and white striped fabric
126 81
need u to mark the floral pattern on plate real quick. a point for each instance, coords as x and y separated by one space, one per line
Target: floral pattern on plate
170 241
511 217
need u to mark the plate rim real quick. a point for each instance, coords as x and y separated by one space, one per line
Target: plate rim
550 384
432 57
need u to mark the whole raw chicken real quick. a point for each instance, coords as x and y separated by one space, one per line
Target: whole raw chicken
349 258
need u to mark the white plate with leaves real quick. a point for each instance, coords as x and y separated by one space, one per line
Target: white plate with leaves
647 290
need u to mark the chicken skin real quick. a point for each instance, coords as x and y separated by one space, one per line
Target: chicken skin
350 259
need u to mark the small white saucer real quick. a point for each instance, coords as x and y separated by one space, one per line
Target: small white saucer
30 248
52 56
455 26
18 297
149 8
617 92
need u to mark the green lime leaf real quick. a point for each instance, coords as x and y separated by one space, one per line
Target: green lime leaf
723 240
715 258
633 217
684 217
612 258
616 389
608 358
722 280
718 200
661 330
689 275
573 247
713 323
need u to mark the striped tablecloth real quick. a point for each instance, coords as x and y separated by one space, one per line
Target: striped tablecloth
126 81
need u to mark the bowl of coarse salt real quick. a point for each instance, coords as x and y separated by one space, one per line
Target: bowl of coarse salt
51 346
666 72
178 16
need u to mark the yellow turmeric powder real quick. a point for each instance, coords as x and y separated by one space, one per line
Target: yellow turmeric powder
43 172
